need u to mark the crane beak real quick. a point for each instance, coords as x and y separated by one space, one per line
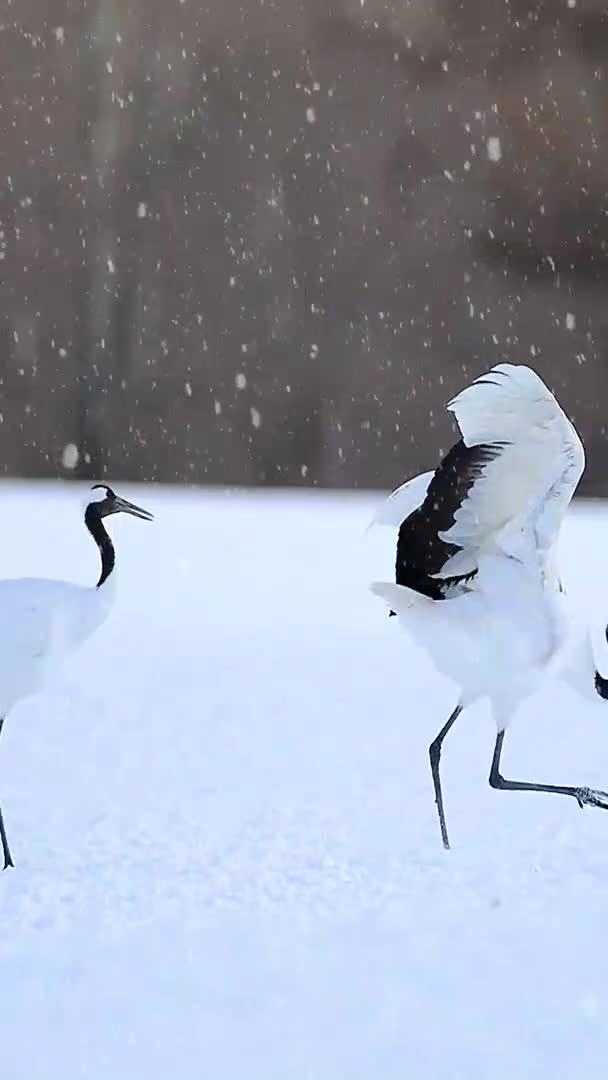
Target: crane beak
121 505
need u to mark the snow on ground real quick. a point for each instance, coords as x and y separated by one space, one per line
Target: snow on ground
228 859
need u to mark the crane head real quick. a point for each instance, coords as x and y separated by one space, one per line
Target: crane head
105 501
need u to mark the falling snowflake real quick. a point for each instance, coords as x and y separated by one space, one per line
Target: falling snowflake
70 456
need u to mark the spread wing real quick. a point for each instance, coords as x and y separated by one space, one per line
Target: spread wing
504 487
522 495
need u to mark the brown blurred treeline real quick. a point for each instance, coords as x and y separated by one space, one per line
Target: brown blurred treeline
263 242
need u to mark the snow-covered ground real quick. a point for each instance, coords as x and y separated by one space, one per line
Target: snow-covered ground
228 858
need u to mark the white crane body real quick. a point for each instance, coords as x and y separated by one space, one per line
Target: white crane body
476 568
44 620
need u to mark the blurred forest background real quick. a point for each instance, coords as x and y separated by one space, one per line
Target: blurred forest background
264 242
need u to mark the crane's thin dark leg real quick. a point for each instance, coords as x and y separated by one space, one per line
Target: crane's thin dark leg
6 851
584 796
435 755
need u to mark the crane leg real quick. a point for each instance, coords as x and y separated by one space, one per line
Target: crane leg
584 796
6 851
435 755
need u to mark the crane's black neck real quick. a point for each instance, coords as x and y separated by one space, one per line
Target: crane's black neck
96 527
601 685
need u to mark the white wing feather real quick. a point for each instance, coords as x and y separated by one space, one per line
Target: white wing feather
403 501
519 501
398 597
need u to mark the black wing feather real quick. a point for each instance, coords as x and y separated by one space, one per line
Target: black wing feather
420 551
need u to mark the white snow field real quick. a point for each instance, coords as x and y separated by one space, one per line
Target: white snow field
228 862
